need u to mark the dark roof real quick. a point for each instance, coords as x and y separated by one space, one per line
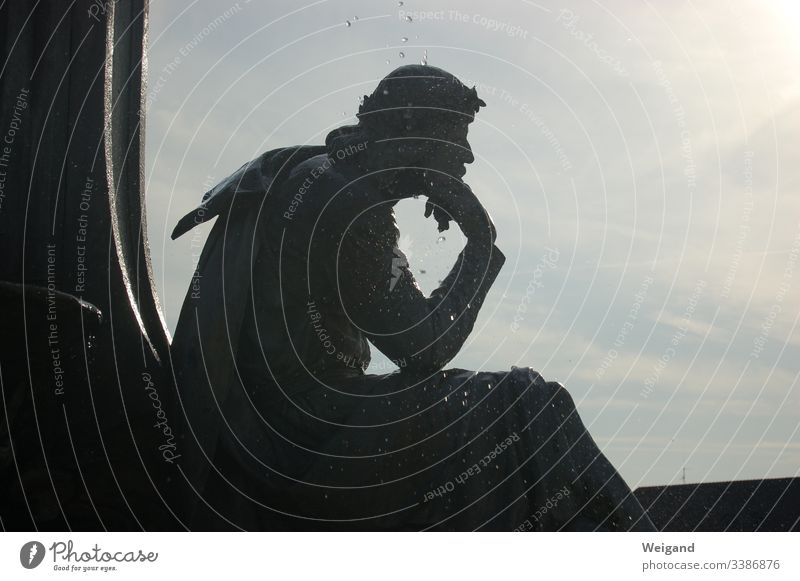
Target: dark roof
742 505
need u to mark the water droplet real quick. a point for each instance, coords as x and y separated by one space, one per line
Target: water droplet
409 19
404 39
386 91
399 3
402 55
387 61
355 17
440 239
348 23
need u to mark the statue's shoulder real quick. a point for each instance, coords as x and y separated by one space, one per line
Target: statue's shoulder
249 184
322 178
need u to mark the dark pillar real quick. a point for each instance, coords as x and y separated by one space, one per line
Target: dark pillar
87 398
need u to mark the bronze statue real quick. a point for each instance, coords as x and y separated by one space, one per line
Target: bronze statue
284 430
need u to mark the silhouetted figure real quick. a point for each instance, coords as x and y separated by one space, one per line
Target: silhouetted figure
285 430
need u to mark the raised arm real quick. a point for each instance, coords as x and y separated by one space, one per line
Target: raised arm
381 296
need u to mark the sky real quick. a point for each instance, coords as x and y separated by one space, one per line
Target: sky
640 161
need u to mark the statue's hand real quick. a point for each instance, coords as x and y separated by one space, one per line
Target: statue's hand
454 200
442 218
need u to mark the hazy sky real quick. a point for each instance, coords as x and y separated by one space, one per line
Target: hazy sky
640 160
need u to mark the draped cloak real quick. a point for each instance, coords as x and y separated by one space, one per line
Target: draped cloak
284 430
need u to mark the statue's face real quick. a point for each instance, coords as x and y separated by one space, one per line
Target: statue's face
432 156
442 150
448 150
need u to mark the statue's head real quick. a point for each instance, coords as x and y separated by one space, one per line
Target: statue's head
418 116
